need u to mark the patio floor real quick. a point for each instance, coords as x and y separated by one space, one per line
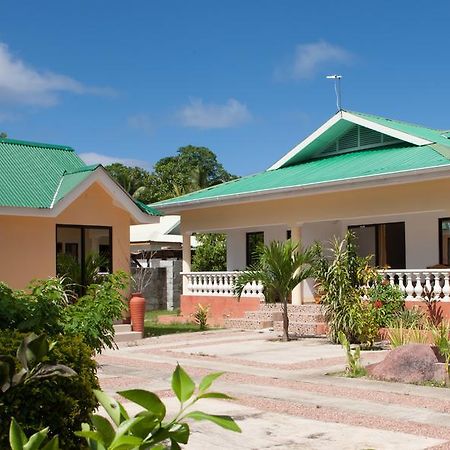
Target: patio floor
283 397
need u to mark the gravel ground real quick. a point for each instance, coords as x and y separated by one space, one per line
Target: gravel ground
407 419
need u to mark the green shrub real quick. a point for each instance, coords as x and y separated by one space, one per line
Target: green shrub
93 315
63 404
354 367
201 316
388 301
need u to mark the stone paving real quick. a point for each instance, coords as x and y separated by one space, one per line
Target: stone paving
284 397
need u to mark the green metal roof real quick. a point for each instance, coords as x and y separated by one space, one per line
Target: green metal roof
31 172
347 166
36 175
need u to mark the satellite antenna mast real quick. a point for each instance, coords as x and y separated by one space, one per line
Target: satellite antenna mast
337 89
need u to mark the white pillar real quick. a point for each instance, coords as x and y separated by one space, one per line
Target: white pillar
296 234
186 258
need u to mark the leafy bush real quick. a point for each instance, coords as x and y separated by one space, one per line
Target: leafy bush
341 281
61 403
354 367
441 335
211 253
201 316
387 300
402 333
148 429
93 315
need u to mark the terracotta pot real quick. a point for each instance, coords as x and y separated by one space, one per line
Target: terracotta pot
137 311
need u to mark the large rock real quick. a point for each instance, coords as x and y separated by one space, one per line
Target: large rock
412 363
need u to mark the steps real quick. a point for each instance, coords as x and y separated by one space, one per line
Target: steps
304 320
123 333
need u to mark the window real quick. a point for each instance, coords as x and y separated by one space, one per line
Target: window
253 241
444 241
80 244
385 241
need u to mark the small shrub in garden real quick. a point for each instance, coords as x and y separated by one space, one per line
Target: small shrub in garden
387 300
201 316
62 404
150 429
441 335
402 332
93 315
354 367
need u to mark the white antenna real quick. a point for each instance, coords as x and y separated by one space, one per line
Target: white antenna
337 89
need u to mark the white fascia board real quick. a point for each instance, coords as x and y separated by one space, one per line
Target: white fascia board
311 138
361 182
119 196
358 120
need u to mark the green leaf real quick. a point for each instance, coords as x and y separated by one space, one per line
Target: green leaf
182 384
126 443
148 400
53 444
180 434
104 428
223 421
215 395
114 409
17 438
146 426
32 350
88 434
36 440
174 445
52 370
208 380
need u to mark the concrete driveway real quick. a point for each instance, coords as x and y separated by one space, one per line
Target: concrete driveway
284 398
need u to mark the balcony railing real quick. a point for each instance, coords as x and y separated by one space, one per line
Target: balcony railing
419 284
218 284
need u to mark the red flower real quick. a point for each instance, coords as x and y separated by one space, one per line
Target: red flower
378 304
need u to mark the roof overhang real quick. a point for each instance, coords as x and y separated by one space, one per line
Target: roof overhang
338 124
120 198
370 181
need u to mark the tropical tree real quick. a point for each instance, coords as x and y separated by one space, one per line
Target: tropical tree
281 267
211 253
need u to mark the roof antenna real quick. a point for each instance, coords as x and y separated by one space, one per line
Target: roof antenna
337 89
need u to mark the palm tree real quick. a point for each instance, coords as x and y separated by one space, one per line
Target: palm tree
281 267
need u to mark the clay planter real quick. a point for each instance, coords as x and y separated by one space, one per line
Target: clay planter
137 311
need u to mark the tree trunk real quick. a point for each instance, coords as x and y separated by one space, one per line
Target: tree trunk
285 320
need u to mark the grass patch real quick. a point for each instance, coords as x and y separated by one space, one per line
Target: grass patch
153 328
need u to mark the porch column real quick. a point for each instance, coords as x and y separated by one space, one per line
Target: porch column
297 297
186 258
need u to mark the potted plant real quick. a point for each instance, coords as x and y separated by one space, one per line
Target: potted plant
140 280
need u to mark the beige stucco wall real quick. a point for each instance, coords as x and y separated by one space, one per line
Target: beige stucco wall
28 244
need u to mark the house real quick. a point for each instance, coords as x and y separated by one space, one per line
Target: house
51 202
387 180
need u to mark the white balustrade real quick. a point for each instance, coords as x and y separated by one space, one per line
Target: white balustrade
219 284
421 284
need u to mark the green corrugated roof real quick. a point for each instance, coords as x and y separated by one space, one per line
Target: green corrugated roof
31 172
37 175
346 166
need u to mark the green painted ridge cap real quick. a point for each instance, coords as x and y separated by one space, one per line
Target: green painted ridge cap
444 150
35 144
147 209
90 168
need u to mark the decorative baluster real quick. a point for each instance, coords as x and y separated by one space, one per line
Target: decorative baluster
418 289
409 287
446 288
391 278
437 288
401 283
427 287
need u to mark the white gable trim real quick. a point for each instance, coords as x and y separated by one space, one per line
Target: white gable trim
312 137
120 198
357 120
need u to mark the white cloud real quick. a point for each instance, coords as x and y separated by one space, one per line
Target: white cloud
21 83
104 160
142 122
209 115
310 57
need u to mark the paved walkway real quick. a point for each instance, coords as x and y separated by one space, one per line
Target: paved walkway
284 398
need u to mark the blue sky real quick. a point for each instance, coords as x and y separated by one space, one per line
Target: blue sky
133 81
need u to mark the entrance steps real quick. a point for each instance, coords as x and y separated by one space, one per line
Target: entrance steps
304 320
124 333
